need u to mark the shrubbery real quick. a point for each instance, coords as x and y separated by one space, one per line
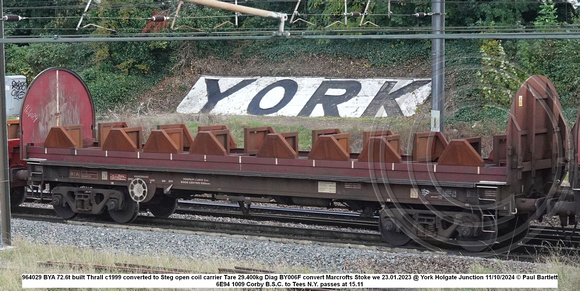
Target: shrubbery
480 73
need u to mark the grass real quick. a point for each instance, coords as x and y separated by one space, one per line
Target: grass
404 126
303 125
23 258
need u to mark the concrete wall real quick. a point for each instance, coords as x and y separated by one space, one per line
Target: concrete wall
306 96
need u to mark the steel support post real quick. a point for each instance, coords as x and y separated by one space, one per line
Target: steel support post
4 171
438 66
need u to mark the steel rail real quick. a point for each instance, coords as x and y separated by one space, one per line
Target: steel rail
197 225
539 238
280 214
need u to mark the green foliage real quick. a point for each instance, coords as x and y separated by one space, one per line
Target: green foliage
109 89
117 72
29 60
499 78
547 14
380 53
490 12
480 113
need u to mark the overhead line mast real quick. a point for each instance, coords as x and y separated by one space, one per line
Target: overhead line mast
438 66
5 214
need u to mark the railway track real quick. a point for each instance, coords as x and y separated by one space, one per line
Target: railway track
234 228
265 213
540 239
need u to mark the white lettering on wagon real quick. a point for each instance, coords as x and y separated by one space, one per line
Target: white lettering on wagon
117 177
195 181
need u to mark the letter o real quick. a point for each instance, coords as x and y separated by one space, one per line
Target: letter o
290 89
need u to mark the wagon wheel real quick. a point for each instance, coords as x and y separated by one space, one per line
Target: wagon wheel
17 196
513 231
129 210
62 208
163 208
392 233
484 240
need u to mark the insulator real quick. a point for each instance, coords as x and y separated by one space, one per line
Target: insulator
355 14
420 14
159 18
12 18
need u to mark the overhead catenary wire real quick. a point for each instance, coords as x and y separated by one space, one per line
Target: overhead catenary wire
173 4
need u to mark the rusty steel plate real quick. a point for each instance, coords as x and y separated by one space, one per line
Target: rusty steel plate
536 139
56 97
575 154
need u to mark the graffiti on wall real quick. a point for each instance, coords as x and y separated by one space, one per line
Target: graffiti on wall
306 96
18 89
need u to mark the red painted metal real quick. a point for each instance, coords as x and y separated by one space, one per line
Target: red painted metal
56 97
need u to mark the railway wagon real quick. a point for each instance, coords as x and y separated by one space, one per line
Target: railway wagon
441 190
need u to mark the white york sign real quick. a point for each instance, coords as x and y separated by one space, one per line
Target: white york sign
306 96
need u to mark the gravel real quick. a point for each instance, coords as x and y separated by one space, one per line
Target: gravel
317 257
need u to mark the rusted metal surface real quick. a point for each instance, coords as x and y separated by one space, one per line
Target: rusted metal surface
318 132
292 139
368 134
379 150
342 138
177 136
460 152
65 137
575 154
327 147
536 139
393 139
499 153
428 146
105 127
475 142
160 142
56 97
124 139
206 143
222 133
253 138
276 146
187 137
13 128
